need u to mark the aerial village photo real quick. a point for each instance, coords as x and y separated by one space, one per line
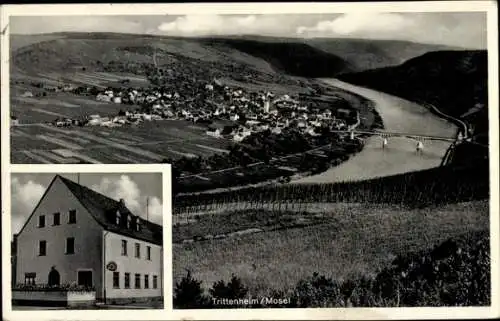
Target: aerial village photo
318 160
86 241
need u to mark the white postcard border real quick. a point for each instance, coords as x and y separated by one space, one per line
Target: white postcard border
245 314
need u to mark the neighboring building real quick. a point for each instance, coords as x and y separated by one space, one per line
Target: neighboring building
267 106
214 131
90 240
101 97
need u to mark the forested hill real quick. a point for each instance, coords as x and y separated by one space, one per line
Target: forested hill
456 82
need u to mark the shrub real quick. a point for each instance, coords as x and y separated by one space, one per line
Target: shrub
67 287
234 289
188 294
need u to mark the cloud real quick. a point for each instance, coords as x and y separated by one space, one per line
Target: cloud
203 24
47 24
207 24
357 24
130 192
24 198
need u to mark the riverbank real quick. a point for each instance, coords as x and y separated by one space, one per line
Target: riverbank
398 115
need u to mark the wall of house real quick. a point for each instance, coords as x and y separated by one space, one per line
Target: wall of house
87 233
132 265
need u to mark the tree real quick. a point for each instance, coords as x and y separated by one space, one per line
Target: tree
188 294
234 289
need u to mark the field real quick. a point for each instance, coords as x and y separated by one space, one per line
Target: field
145 143
351 242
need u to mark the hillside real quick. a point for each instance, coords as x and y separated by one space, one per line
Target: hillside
359 54
318 57
454 272
364 54
453 81
294 58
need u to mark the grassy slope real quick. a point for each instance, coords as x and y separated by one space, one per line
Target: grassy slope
454 81
310 57
349 247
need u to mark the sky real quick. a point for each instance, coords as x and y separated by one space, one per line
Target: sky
27 190
463 29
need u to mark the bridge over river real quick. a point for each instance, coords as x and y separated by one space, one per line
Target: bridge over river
405 123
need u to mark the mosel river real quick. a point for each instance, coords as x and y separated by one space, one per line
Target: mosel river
400 155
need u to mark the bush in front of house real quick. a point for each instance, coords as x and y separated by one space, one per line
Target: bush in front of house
65 287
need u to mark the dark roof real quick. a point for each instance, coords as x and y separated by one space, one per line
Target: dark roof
104 209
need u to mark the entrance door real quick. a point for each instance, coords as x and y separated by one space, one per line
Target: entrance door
85 278
54 277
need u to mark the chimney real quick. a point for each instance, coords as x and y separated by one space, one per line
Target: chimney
122 202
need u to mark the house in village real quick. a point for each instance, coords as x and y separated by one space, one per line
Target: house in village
72 223
103 97
234 117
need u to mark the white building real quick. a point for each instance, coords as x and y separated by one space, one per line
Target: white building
90 240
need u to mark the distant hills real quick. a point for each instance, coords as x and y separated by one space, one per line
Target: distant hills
317 57
456 82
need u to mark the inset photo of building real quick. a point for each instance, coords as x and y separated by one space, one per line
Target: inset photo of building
87 240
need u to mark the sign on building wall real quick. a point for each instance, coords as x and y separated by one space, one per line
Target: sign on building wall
112 266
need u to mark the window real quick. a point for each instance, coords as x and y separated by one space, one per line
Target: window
57 219
148 253
137 250
85 278
127 280
137 281
129 219
124 247
70 245
42 248
155 281
137 224
29 278
146 281
41 221
72 217
116 280
118 217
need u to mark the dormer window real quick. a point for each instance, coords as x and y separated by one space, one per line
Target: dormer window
129 220
137 224
118 217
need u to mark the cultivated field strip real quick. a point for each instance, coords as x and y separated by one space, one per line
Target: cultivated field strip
148 143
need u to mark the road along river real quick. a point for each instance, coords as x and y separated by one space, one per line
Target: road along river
398 115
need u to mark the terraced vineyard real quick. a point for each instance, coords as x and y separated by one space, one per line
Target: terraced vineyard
146 143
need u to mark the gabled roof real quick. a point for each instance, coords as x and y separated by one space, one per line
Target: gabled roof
104 209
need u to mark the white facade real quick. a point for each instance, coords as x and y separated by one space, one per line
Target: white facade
149 267
61 233
86 233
